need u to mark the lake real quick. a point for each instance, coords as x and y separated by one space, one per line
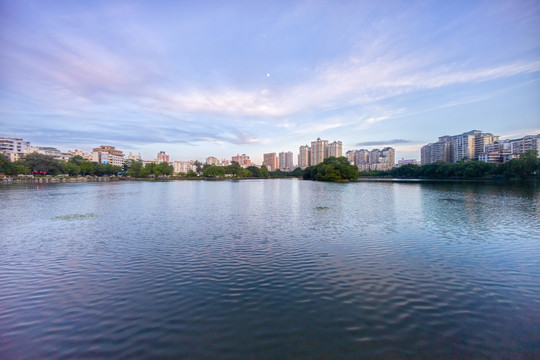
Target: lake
269 269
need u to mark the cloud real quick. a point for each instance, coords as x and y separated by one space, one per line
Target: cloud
383 142
335 86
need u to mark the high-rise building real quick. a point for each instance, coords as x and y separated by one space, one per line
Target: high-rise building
13 148
162 157
374 156
286 161
388 156
211 160
350 156
500 151
466 146
319 151
243 160
304 157
439 151
463 146
106 154
270 160
361 157
526 143
375 159
335 149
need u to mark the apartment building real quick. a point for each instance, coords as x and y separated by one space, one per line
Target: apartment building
270 160
106 154
285 162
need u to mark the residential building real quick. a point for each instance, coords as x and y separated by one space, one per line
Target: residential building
134 157
13 148
162 157
494 157
304 157
407 162
270 160
319 151
526 143
49 151
80 153
438 151
350 156
183 167
106 154
361 157
374 156
335 149
286 161
376 159
388 156
243 160
501 151
466 146
211 160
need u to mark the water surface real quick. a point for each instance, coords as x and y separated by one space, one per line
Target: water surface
269 269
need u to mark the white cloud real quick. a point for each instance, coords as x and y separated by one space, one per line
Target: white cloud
336 86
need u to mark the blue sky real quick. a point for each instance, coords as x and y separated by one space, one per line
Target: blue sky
201 78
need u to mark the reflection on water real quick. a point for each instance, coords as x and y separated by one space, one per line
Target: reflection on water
269 269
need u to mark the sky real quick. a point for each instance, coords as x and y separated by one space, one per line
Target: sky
217 78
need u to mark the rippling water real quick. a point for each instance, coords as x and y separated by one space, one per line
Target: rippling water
269 269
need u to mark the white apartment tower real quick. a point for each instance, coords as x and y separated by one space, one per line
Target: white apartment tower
335 149
13 148
319 151
286 161
304 157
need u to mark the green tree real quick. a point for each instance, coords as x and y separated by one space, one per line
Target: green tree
86 168
254 171
298 172
163 169
213 171
6 166
77 160
332 169
70 168
134 168
38 162
191 174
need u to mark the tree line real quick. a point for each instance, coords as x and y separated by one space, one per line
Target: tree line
39 164
331 169
527 165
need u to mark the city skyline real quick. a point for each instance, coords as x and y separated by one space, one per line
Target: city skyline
212 79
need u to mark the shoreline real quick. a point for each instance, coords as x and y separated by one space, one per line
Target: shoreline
54 180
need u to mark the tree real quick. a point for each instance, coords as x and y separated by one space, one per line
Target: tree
213 171
6 166
254 171
191 174
332 169
70 168
297 172
163 169
134 168
42 163
77 160
198 165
